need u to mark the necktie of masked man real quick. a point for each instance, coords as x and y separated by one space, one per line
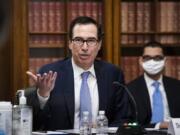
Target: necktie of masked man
157 110
85 98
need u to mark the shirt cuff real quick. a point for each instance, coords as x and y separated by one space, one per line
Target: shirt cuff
157 126
42 100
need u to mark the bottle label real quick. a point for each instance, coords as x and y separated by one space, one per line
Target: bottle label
6 122
5 118
26 120
2 121
22 120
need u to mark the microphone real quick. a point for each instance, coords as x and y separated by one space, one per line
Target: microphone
130 96
129 128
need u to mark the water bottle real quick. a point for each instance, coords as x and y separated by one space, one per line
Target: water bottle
5 118
102 124
85 124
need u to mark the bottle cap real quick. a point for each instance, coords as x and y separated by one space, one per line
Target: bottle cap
101 112
85 113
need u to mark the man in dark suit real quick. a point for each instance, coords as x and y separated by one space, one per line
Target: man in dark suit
57 103
143 90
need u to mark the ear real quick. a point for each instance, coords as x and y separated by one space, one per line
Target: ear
165 60
100 44
140 61
70 44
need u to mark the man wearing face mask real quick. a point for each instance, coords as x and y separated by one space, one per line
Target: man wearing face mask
156 95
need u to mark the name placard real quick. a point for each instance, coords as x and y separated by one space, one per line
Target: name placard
174 126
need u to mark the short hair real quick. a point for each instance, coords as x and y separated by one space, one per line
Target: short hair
153 44
85 20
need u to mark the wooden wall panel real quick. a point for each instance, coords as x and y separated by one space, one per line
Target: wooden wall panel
108 47
111 50
13 47
19 55
116 32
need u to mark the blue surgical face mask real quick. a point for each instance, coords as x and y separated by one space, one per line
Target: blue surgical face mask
153 67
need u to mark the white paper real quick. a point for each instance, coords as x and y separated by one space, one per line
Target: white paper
48 133
38 133
112 129
72 131
174 126
55 132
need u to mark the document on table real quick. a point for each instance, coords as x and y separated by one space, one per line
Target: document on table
76 131
71 131
39 133
49 133
56 133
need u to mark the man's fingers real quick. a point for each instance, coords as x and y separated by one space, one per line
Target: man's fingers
44 81
54 76
33 76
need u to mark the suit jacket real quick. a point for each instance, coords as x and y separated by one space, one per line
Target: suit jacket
139 90
58 112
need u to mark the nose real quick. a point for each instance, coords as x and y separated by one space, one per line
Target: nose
84 46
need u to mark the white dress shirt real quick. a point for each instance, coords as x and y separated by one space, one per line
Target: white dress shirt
92 83
151 90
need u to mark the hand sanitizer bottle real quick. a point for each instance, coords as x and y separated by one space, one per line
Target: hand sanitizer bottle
22 117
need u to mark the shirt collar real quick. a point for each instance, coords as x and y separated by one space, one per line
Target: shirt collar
78 70
150 81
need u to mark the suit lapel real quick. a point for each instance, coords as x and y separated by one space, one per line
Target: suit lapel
146 98
168 89
69 89
102 90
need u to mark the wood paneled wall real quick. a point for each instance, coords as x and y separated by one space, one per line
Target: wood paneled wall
20 47
13 47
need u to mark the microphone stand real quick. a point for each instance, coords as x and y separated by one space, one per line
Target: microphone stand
129 128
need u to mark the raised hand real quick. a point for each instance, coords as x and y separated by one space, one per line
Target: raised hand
44 82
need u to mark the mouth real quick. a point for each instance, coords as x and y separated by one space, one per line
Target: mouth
84 56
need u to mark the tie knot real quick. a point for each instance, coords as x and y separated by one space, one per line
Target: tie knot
85 75
156 84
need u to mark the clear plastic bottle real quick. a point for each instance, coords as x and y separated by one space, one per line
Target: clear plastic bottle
102 124
22 117
85 124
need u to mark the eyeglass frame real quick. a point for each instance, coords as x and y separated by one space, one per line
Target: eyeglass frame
155 58
85 40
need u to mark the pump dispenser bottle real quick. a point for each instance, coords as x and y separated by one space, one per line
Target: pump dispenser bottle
22 116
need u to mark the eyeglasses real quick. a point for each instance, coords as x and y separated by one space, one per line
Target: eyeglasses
156 58
89 41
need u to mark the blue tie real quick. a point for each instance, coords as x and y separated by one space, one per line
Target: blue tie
157 110
85 98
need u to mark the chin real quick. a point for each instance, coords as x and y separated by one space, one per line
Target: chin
157 75
86 65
